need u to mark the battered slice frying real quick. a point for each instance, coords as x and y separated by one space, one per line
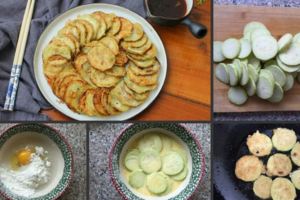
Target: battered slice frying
248 168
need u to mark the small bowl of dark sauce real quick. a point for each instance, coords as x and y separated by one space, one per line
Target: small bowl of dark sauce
173 12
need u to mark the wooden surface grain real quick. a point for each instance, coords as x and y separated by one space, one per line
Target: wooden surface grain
229 21
186 93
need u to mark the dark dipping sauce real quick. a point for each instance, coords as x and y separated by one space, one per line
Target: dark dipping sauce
168 8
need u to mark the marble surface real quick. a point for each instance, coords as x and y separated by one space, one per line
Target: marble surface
101 139
259 116
76 136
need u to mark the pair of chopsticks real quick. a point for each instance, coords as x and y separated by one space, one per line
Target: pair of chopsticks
18 59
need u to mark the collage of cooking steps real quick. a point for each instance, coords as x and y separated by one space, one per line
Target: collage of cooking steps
149 99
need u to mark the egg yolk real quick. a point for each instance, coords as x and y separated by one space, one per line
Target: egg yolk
24 157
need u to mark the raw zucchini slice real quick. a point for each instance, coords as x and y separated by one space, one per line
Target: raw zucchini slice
167 143
252 73
277 94
150 161
289 82
245 74
286 68
172 163
181 176
132 160
285 41
250 87
137 179
265 85
296 38
237 95
254 62
218 55
150 141
233 75
157 183
291 55
247 36
245 48
265 47
231 48
251 26
278 74
245 60
259 32
237 65
222 73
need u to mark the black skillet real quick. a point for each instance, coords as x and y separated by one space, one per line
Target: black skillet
229 144
169 18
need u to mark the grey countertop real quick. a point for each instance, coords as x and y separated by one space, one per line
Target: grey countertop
101 139
76 136
259 116
277 3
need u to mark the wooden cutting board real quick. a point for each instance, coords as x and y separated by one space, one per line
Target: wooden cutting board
229 21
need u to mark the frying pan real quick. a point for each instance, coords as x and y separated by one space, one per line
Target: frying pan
229 145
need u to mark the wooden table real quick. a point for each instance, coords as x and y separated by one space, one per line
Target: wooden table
186 92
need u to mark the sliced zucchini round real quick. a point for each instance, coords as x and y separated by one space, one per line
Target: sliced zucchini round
150 161
150 141
181 176
157 183
295 178
285 41
289 82
278 74
284 139
277 94
251 26
254 62
231 48
286 68
259 32
237 95
250 87
265 47
172 163
245 48
245 74
252 73
282 188
218 55
222 73
265 85
233 75
137 179
291 55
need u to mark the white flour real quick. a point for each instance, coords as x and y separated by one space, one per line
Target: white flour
27 179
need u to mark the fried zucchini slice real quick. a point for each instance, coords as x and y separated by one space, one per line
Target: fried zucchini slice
295 154
135 44
295 178
279 165
84 68
111 43
121 58
248 168
86 103
150 54
139 50
137 88
103 80
116 27
284 139
101 57
144 71
144 80
282 188
259 144
98 101
136 34
102 24
126 29
262 187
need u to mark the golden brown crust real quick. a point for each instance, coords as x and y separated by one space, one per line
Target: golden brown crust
248 168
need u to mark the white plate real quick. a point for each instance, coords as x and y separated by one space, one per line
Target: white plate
59 23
